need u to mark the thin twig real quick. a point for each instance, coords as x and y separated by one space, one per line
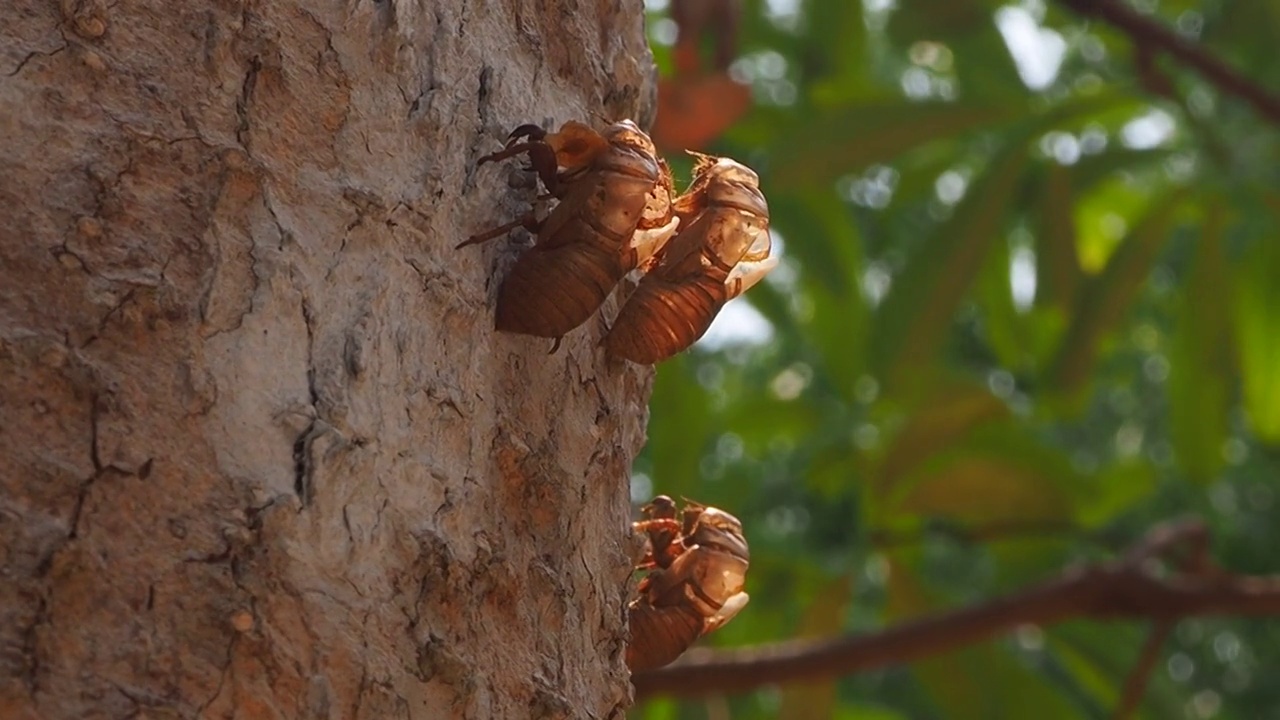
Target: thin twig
1126 588
1149 35
1135 686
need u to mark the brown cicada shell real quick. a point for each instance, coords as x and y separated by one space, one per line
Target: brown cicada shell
720 251
613 213
697 570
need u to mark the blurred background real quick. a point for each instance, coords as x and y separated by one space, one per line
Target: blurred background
1028 308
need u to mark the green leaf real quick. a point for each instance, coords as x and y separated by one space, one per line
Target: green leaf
1102 496
659 708
760 417
826 240
934 19
829 249
846 139
1058 274
1003 326
1200 363
977 485
1105 300
1100 657
1103 214
1001 472
1092 170
953 411
1257 327
680 424
952 684
866 712
913 321
838 56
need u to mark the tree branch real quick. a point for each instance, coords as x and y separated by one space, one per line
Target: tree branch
1149 35
1127 588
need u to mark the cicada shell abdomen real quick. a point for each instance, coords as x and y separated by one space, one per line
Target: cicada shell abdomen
720 250
614 211
660 635
551 291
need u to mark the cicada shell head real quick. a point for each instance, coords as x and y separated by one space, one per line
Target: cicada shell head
625 133
577 146
733 189
718 529
661 506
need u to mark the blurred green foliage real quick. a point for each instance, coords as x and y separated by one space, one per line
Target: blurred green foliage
1027 309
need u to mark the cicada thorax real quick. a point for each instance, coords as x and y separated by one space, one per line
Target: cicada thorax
676 301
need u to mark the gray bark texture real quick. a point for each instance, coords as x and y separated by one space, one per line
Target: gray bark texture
261 453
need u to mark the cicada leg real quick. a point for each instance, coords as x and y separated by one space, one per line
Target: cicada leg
664 534
542 158
644 526
726 612
746 274
660 507
646 243
529 222
528 130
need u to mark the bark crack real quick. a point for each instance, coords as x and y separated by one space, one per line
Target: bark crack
222 678
29 651
484 107
32 55
99 469
106 317
303 466
246 97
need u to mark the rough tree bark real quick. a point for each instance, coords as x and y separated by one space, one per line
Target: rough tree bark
261 454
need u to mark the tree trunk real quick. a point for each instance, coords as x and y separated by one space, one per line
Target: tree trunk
261 453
